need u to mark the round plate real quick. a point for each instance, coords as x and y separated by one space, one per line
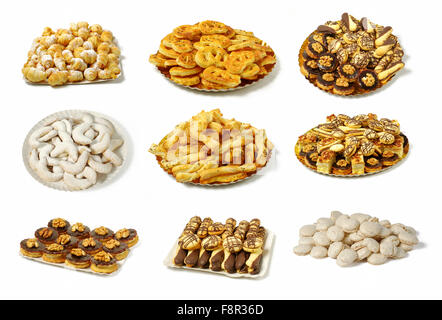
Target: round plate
60 185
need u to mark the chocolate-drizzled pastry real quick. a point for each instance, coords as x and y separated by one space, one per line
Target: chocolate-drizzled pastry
253 244
216 259
368 80
79 231
232 246
327 62
216 228
31 248
372 164
59 224
229 262
314 49
67 241
253 229
348 72
193 225
209 244
241 230
230 228
46 235
190 241
203 229
360 60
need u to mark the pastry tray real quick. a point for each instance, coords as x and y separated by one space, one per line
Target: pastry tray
86 270
265 262
122 151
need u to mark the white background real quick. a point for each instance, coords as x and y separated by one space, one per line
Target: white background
285 197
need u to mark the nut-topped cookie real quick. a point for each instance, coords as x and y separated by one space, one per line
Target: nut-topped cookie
79 231
54 253
102 234
90 245
350 56
78 258
118 250
352 146
31 248
127 236
59 224
103 262
46 235
67 241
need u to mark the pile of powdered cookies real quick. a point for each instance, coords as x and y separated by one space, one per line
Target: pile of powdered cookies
355 238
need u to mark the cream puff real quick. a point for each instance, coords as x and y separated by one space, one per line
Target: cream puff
118 250
103 262
79 231
60 225
90 245
31 248
54 253
127 236
78 259
46 235
102 234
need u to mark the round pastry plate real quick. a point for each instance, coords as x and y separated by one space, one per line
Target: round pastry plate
244 83
122 151
265 262
87 270
297 150
357 91
227 183
45 83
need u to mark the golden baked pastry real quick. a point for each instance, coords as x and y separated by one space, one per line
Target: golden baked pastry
80 53
209 149
226 251
212 56
352 146
350 56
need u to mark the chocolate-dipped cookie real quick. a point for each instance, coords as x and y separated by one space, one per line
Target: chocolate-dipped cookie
78 259
31 248
79 231
46 235
102 234
59 224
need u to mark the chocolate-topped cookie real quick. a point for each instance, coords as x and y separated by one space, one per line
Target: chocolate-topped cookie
79 231
31 248
232 244
46 235
78 258
67 241
103 262
59 224
119 250
90 245
54 253
102 234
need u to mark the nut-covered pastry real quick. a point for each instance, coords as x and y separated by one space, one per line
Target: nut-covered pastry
67 241
79 231
212 56
90 245
78 258
59 224
46 235
118 250
54 253
210 149
365 55
31 248
127 236
80 53
352 146
103 262
102 234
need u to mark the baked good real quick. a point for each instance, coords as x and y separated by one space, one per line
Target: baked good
54 253
232 246
103 262
46 235
210 55
67 241
216 228
78 258
102 234
59 224
79 231
127 236
209 149
208 245
31 248
80 53
353 56
349 146
118 250
90 245
203 229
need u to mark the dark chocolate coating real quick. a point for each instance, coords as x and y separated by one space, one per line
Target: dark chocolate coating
203 261
51 239
229 264
98 245
132 235
98 237
217 260
72 258
59 230
40 248
192 258
116 250
256 265
80 235
104 263
180 256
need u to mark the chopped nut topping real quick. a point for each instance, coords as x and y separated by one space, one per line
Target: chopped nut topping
342 82
32 243
112 243
342 163
122 234
388 154
317 47
89 242
78 252
348 69
59 223
77 227
314 156
373 161
308 148
328 77
63 239
312 64
326 61
368 80
103 256
102 231
55 247
45 233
